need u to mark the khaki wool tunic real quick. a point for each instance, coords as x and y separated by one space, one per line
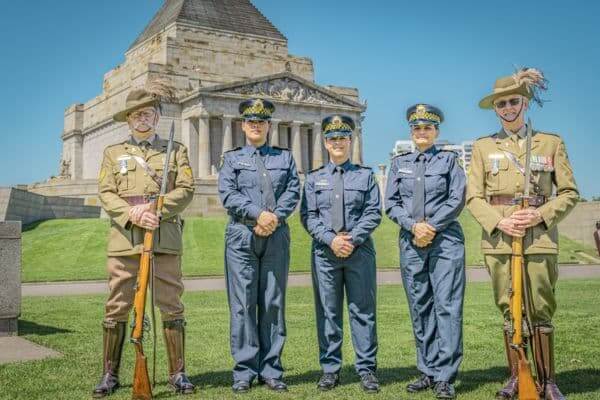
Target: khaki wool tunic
492 173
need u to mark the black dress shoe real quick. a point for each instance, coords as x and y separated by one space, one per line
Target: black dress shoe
276 385
241 386
369 382
444 390
422 383
108 384
328 381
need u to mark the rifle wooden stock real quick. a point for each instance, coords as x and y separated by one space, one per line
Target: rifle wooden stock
142 389
527 388
141 380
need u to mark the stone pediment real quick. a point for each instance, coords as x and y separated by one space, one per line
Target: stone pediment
284 87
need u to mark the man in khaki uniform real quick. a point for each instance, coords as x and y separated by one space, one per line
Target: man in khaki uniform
495 178
129 176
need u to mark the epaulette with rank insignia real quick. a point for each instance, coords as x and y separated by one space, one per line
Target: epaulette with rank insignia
402 154
492 136
316 169
236 149
280 148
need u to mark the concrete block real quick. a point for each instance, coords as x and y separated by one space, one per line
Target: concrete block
10 276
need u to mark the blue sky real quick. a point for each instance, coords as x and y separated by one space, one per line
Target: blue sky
397 53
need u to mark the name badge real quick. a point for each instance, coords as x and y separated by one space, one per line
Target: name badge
323 182
404 171
243 164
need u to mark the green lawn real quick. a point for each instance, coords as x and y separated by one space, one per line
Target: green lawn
58 250
71 325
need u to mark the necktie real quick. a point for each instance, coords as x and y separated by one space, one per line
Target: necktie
337 209
419 190
266 186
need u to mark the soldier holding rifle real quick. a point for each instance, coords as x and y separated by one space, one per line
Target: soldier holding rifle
131 176
495 189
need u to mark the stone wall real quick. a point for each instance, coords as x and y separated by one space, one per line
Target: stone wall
10 277
580 224
27 207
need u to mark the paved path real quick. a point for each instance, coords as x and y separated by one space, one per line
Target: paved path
385 277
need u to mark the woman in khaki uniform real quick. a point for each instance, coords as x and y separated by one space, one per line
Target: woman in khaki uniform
496 177
129 176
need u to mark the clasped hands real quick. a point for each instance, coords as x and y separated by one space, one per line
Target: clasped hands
266 224
423 234
141 216
519 221
342 245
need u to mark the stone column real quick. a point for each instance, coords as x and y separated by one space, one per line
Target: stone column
297 145
357 144
189 137
73 140
274 135
10 277
317 145
203 146
227 133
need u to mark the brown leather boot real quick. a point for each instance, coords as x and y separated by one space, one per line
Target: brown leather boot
509 391
114 337
544 361
175 341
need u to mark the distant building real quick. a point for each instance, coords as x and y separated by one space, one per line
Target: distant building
464 150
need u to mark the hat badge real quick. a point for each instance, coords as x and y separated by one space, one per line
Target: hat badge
421 111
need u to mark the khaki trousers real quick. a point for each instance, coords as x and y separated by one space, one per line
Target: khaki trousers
541 274
168 286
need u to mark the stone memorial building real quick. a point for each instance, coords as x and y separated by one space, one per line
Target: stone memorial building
216 53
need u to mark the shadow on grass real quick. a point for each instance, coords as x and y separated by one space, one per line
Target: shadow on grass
571 382
32 328
586 380
31 226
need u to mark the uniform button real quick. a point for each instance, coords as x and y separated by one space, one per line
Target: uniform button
418 179
337 196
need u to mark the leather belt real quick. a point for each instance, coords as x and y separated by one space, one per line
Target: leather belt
252 223
137 200
534 201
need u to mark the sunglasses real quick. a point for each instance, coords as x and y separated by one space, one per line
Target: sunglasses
515 101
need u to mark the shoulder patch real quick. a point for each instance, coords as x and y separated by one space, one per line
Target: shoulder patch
491 136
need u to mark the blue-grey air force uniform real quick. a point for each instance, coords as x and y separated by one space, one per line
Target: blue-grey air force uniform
256 268
362 214
433 276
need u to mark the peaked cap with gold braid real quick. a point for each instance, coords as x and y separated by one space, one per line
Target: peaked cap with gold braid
337 126
421 114
256 110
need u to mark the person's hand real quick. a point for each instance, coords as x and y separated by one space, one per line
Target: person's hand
421 242
526 218
260 231
149 221
423 232
267 221
342 245
510 227
136 212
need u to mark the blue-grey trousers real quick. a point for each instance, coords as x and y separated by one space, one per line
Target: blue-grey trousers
357 276
256 271
434 282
